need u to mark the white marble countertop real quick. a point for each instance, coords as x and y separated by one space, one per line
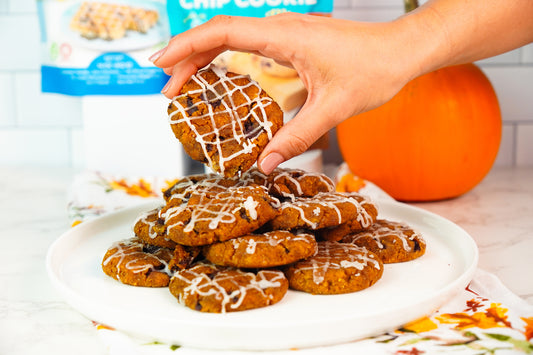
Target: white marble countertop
35 320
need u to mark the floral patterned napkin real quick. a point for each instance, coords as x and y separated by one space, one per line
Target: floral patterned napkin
485 318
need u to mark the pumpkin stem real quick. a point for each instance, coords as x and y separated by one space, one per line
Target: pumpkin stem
410 5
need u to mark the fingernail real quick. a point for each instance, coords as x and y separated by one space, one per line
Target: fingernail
165 88
156 55
270 162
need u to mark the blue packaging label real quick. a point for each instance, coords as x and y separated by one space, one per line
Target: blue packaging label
102 47
108 74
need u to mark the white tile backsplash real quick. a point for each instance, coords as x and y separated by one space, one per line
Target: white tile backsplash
512 57
514 88
505 157
527 54
38 147
37 109
4 6
7 105
19 42
22 6
47 129
524 145
77 149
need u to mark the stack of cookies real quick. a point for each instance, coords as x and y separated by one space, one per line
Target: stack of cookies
229 244
240 239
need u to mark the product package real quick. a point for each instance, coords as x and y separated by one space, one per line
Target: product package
102 47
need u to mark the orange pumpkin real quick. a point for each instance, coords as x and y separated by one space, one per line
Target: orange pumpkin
436 139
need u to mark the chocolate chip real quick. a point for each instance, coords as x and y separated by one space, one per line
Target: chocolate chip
417 245
191 107
150 248
215 103
249 128
242 213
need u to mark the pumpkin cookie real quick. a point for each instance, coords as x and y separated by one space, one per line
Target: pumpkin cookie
182 257
336 268
291 183
270 249
224 120
355 224
207 218
182 189
210 288
150 228
324 210
135 263
393 242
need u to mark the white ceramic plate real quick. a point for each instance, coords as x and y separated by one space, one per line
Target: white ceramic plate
406 291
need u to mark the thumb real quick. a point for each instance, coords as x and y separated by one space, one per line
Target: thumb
296 136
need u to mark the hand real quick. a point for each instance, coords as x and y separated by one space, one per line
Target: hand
347 67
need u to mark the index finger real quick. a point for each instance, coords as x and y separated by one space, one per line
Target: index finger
227 32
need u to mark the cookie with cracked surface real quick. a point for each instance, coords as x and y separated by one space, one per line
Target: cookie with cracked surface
183 188
183 257
326 209
207 218
217 289
150 228
352 225
274 248
224 120
134 263
393 242
291 183
336 268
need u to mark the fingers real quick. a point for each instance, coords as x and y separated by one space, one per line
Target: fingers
182 71
295 137
239 33
189 51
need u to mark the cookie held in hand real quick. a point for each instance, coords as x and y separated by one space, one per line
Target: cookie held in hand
224 120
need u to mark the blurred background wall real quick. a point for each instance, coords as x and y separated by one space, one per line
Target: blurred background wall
47 129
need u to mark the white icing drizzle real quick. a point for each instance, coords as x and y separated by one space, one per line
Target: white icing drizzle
250 204
382 229
291 179
143 218
215 208
272 239
133 247
199 283
331 201
252 244
210 94
332 255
